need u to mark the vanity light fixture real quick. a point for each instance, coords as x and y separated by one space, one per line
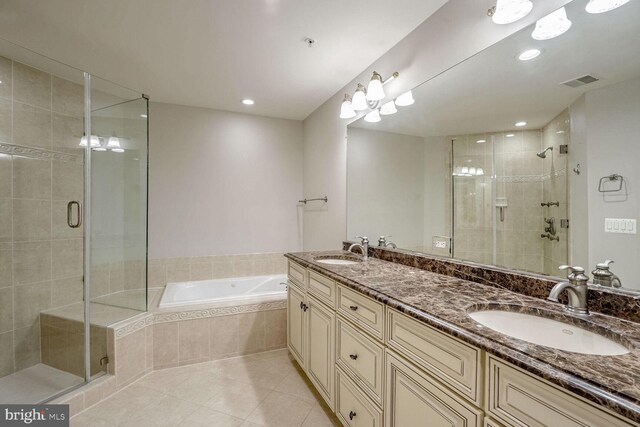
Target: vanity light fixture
552 25
529 54
114 142
388 108
95 141
510 135
346 110
481 141
601 6
144 116
405 99
359 101
508 11
248 101
520 124
375 92
372 117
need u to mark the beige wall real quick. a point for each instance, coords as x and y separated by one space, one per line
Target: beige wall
223 183
434 46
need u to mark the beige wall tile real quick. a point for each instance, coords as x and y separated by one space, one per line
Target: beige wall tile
116 277
193 337
178 273
67 181
27 346
134 274
6 164
31 220
67 291
201 271
6 119
6 309
31 262
6 220
131 357
6 76
165 345
31 126
67 97
29 301
67 132
59 226
224 335
31 178
156 275
6 353
31 86
275 328
251 331
67 258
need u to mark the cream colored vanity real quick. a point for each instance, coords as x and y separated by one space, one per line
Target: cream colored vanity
376 366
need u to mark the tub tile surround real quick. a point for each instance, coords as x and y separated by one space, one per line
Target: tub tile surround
443 301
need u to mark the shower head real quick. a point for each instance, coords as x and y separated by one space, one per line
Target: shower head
543 154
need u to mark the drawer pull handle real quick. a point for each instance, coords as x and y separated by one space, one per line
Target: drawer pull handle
353 356
353 307
352 415
305 307
301 305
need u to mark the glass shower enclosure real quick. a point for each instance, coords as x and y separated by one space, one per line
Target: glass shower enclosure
73 221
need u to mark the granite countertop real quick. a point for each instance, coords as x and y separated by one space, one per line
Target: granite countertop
444 303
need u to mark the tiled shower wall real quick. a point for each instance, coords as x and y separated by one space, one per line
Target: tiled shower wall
555 184
41 171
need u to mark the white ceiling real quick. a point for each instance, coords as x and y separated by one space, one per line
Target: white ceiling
492 90
214 53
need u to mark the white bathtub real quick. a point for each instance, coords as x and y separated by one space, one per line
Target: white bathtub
224 290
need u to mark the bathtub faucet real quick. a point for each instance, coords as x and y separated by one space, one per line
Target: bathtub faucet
363 246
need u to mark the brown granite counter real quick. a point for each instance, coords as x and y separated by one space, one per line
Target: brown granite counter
444 302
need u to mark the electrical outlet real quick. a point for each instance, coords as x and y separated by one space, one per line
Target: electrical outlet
620 225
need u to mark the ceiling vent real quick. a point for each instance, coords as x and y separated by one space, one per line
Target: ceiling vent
581 81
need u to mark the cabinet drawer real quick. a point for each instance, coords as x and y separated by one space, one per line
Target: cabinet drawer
517 398
353 408
322 288
298 275
456 363
414 399
488 422
360 357
363 311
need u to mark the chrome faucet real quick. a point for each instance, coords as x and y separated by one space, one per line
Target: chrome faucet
577 289
602 276
363 246
382 242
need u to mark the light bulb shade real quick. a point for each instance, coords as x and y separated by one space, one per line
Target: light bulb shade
472 171
508 11
346 110
479 172
601 6
405 99
465 170
552 25
374 90
83 141
388 108
359 101
372 117
114 142
95 141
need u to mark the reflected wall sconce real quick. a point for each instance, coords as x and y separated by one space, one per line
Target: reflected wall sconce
553 25
113 144
509 11
602 6
368 98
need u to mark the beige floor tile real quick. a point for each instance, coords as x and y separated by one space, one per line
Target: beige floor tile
168 411
164 380
238 399
125 404
320 417
205 417
297 385
86 419
281 410
199 388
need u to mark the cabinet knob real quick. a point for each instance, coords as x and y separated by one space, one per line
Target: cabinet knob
301 305
352 415
305 307
353 307
353 356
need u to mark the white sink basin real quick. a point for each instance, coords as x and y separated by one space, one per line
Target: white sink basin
336 261
548 332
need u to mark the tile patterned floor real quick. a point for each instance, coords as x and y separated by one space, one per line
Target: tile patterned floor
266 389
35 384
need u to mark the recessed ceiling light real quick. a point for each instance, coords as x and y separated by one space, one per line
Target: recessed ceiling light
144 116
520 124
529 54
480 141
509 135
248 101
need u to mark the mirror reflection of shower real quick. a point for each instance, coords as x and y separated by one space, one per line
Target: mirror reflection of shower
543 154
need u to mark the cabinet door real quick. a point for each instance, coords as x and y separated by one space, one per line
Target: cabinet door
413 399
321 354
296 324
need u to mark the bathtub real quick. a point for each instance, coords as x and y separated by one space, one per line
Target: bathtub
224 291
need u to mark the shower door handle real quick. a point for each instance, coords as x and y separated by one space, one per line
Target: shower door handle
78 221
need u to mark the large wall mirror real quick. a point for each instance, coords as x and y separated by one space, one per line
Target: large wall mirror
525 156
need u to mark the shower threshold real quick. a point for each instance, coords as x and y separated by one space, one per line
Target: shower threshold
35 384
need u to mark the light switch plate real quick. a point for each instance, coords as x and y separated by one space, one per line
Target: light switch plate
620 226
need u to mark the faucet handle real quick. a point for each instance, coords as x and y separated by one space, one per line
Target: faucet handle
575 273
604 265
364 239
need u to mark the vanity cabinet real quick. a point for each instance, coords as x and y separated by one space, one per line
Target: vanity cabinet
378 367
